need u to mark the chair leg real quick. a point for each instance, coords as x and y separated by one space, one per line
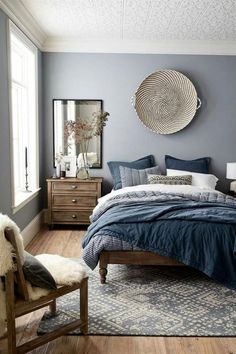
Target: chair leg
10 307
53 307
84 306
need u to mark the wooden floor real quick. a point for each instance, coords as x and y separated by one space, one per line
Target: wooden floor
67 243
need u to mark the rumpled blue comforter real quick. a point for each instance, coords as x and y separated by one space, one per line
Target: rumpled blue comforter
196 230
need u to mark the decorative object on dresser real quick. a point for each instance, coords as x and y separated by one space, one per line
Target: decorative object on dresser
231 174
58 163
71 201
166 101
70 166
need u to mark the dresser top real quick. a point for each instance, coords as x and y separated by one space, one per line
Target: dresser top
73 179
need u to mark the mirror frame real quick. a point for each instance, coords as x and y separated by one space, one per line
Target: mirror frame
100 166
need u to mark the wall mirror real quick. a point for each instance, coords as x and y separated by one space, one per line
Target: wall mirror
65 110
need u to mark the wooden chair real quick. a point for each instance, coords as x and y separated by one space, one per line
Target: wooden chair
18 304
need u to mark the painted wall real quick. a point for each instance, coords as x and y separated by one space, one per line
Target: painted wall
27 213
115 77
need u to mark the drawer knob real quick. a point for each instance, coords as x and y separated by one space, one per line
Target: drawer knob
73 187
73 200
73 216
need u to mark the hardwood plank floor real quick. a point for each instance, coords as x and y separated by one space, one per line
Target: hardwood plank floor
67 242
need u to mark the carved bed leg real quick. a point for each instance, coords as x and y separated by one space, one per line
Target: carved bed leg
103 262
103 273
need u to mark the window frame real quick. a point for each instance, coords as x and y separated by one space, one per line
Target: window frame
21 199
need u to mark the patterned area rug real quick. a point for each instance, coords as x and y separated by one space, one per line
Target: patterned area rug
151 301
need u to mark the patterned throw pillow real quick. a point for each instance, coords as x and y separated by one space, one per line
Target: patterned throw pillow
158 179
133 177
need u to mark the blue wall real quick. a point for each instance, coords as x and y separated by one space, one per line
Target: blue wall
115 78
27 213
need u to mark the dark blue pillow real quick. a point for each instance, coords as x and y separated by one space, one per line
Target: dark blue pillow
140 164
36 273
199 165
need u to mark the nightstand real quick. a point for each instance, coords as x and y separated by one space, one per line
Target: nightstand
72 200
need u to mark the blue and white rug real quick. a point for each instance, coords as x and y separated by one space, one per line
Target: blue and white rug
151 301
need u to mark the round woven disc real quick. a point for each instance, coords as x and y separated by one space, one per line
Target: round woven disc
166 101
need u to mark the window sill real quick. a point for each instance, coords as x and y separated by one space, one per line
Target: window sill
24 198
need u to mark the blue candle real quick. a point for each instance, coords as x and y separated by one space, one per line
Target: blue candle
26 158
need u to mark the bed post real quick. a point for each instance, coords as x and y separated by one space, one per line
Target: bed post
103 261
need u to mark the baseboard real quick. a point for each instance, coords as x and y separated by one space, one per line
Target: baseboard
32 228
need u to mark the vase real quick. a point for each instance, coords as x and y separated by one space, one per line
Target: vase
58 170
83 166
83 172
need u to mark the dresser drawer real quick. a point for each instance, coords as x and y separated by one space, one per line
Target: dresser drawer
74 201
76 186
72 216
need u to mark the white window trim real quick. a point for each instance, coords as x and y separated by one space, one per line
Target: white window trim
27 196
25 200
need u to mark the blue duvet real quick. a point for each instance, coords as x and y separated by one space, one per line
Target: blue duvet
198 230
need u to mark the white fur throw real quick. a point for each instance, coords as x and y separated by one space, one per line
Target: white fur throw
65 271
6 249
6 261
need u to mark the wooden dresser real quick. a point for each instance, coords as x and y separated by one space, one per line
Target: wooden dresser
71 200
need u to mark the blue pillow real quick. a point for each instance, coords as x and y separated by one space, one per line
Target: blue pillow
140 164
37 274
199 165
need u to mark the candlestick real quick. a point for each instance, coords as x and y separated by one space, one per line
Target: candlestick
26 158
26 171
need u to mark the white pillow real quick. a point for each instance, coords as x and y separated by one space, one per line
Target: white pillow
198 179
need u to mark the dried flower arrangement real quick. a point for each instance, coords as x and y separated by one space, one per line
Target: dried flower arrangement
82 131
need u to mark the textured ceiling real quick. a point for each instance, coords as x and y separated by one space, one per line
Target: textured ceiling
143 20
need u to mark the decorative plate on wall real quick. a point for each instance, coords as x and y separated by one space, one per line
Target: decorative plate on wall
166 101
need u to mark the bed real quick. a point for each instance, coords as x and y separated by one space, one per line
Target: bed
164 225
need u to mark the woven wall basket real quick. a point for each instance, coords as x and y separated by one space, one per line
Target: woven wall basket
166 101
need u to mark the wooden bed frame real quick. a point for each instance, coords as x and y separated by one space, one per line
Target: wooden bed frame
132 257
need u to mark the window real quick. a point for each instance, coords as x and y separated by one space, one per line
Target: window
24 116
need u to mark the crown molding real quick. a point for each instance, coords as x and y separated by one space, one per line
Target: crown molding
25 21
16 11
195 47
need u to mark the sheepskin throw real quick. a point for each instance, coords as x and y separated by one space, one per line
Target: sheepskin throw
6 261
6 249
65 271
